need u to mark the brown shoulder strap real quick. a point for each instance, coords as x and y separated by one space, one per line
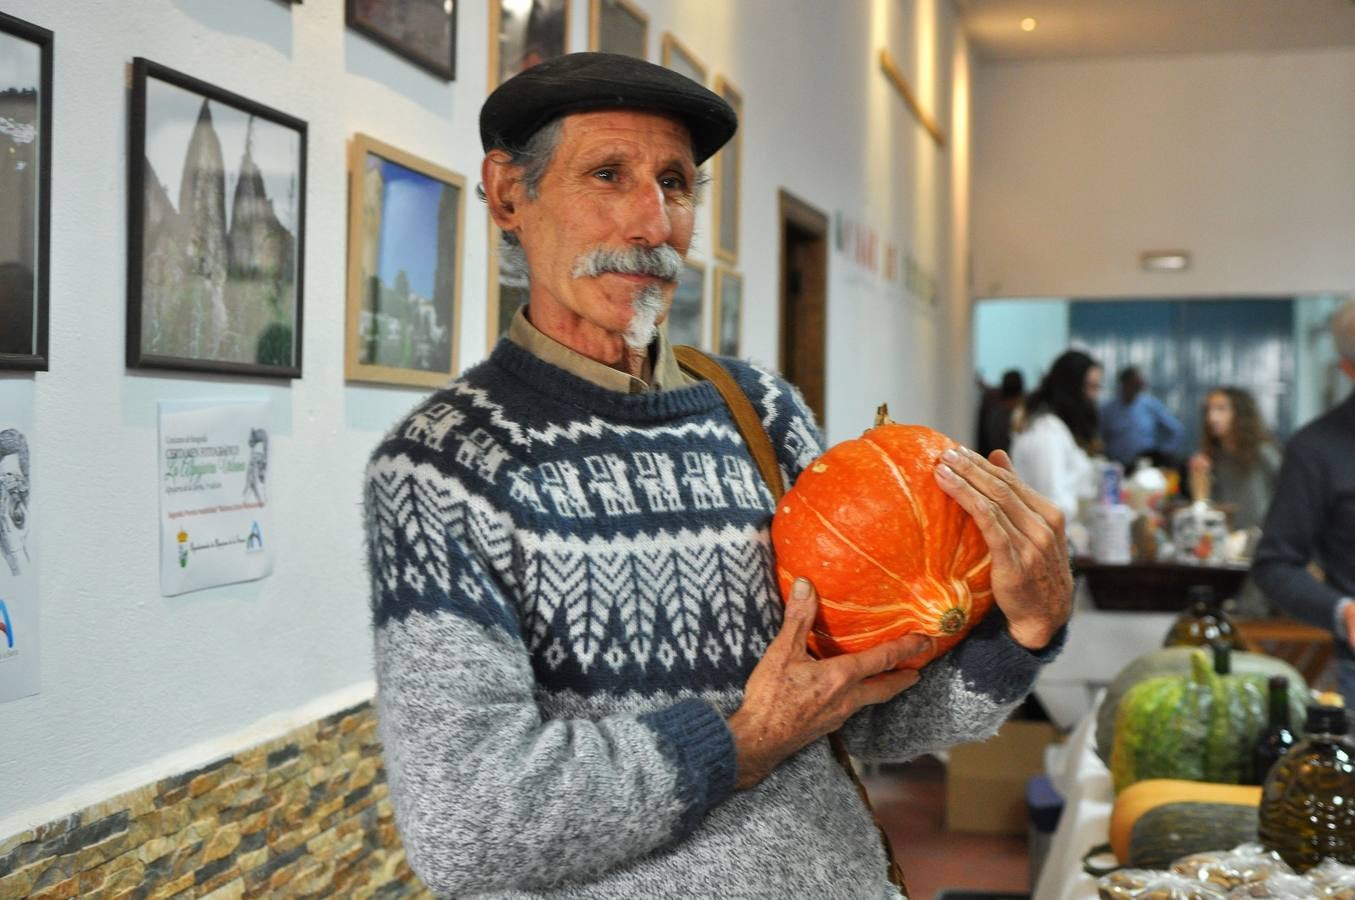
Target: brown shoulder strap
698 364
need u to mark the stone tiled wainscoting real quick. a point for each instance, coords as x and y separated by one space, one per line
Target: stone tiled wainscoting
306 814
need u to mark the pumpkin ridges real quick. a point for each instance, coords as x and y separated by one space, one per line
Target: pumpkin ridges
833 530
902 484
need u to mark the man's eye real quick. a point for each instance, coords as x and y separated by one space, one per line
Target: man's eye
605 174
673 183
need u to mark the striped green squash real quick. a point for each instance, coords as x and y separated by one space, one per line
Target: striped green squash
1201 726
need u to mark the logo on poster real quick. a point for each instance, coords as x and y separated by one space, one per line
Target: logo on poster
6 627
254 544
183 549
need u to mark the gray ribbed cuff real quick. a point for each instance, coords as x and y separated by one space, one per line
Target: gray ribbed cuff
693 737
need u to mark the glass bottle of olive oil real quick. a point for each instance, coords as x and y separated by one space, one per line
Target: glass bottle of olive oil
1308 802
1278 737
1202 623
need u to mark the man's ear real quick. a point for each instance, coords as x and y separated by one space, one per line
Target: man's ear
503 189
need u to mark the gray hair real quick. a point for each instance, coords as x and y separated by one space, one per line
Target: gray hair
1343 329
12 441
533 158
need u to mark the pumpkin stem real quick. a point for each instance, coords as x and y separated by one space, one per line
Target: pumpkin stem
882 415
953 620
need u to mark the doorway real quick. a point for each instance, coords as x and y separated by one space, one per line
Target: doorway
804 299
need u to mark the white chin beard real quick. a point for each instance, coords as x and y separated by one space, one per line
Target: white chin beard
643 325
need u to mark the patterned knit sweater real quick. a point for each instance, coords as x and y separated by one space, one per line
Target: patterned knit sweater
570 587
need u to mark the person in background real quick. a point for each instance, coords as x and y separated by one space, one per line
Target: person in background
1238 454
1136 423
1054 434
995 414
1312 519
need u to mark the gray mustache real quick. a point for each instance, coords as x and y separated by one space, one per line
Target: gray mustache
659 262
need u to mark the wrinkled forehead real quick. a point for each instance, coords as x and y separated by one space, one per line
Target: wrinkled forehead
641 130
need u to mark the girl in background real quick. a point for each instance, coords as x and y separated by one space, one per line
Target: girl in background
1055 434
1239 456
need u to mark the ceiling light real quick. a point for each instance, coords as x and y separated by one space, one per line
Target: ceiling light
1164 260
1028 24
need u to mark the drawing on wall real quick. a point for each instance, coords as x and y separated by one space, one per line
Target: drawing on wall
677 57
256 476
15 466
404 266
20 668
217 233
523 33
618 26
727 182
689 301
728 312
25 191
421 31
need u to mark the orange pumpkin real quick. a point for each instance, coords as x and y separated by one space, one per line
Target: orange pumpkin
888 552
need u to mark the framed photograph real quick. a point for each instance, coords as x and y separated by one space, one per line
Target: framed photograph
677 57
618 26
727 182
727 312
523 33
406 218
689 306
216 229
25 192
422 31
508 285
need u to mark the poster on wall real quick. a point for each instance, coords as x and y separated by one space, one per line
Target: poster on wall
18 545
689 306
522 34
216 524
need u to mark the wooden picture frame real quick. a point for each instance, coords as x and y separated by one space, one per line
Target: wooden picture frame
618 26
686 315
404 308
531 42
423 32
25 196
728 183
677 57
212 290
508 289
726 332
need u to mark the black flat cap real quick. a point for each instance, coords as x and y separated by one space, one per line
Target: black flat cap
576 82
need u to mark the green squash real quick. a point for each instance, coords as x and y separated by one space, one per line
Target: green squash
1176 661
1202 726
1163 835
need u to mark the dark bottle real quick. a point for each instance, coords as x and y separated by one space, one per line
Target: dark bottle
1278 737
1203 623
1308 802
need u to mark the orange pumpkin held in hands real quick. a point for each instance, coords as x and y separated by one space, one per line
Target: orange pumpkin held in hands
888 552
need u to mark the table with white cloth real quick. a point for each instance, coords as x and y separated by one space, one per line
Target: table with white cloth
1084 782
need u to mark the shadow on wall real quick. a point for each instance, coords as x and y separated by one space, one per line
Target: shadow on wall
266 23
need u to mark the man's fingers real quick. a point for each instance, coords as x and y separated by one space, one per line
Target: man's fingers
882 657
1024 507
880 688
998 531
801 607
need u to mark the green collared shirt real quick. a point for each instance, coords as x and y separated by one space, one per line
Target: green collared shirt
667 373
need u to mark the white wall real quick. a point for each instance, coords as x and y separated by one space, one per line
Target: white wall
1242 159
135 685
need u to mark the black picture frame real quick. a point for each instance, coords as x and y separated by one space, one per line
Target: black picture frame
355 20
274 240
35 358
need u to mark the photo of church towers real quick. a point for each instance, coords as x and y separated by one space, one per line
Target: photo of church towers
221 203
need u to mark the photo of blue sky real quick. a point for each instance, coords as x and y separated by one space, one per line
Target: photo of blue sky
409 228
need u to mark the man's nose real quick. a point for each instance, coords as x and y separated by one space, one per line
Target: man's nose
646 216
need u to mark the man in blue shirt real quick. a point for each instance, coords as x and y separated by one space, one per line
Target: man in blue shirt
1136 423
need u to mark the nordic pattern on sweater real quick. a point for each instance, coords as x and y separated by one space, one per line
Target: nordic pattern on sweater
570 587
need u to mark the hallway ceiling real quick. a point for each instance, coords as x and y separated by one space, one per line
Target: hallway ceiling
1083 29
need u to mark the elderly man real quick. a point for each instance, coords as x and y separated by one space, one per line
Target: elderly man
587 683
1312 519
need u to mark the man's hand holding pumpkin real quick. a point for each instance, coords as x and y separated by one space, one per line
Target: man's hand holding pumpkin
1032 582
792 699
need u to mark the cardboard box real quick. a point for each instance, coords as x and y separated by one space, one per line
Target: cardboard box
986 783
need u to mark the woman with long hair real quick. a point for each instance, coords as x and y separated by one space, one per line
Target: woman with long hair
1054 435
1238 454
